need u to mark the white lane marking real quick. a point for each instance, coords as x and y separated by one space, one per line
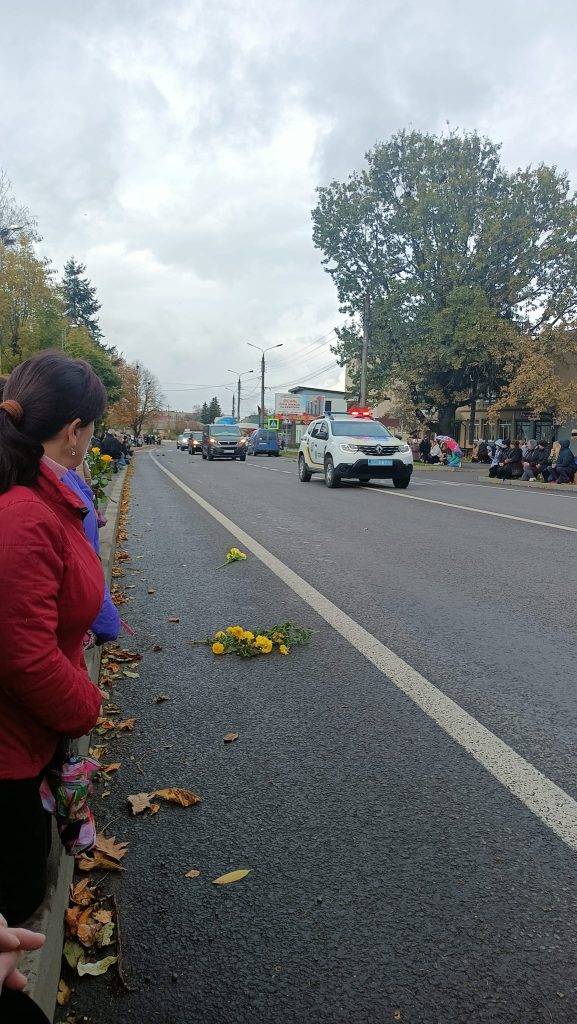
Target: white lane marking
544 798
469 508
270 469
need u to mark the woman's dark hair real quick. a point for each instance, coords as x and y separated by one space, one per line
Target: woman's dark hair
41 396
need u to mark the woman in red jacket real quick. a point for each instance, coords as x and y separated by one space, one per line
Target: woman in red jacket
51 588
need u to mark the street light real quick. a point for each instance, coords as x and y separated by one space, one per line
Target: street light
262 369
239 375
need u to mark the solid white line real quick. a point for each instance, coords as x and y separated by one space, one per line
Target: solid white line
469 508
544 798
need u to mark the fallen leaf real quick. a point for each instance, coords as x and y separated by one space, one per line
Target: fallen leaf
87 927
151 590
140 802
173 618
154 808
95 969
97 752
104 936
112 667
161 697
98 861
72 953
192 874
230 737
183 797
64 993
127 725
122 556
103 916
110 847
81 893
156 648
130 675
72 916
104 725
107 768
232 876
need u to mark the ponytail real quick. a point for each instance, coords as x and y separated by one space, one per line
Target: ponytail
40 397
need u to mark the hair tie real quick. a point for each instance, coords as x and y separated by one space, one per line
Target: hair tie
13 408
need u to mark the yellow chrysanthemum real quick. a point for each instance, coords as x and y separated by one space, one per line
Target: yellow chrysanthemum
218 648
95 451
236 631
278 638
219 635
283 649
247 635
265 645
106 458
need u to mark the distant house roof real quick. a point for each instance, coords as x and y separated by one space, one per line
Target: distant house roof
319 391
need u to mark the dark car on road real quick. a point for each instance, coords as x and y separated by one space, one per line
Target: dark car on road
223 441
263 442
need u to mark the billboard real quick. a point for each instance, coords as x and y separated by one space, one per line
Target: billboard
287 405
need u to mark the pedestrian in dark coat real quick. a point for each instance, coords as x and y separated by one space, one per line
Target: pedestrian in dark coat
563 471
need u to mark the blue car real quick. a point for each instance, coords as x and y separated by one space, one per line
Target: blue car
263 442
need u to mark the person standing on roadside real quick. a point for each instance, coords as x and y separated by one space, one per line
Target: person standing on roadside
51 587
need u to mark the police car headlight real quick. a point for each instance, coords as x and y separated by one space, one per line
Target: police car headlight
348 447
404 448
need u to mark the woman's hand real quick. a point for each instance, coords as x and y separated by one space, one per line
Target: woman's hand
13 942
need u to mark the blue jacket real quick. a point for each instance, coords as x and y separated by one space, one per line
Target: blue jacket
106 625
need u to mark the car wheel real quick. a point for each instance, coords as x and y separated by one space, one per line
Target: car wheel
332 478
304 472
401 481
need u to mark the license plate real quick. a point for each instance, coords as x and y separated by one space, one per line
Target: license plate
380 462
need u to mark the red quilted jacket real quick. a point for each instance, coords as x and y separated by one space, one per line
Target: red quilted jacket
51 588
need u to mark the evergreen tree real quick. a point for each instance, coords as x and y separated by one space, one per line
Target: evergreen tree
205 414
214 410
81 304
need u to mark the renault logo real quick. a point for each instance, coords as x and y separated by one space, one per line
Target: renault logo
379 449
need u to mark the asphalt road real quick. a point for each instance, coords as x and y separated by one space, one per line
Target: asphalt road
393 877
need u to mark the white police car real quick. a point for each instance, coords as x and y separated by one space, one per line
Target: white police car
353 446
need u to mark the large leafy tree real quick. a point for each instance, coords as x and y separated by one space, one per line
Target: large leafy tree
31 314
141 398
465 264
80 301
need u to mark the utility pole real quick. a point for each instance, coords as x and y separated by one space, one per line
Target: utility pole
262 373
365 349
238 387
233 405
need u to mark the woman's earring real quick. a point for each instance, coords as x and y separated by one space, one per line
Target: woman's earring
73 451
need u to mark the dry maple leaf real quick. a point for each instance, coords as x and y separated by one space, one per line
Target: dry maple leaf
81 893
183 797
110 847
87 927
72 915
97 862
127 725
192 874
173 618
140 802
105 724
107 768
161 697
64 993
103 916
230 737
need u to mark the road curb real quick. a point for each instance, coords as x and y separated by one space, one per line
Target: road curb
526 485
43 968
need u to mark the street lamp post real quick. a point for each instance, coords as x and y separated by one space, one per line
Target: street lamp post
262 372
238 389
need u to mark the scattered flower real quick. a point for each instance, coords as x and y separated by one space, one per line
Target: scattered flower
218 648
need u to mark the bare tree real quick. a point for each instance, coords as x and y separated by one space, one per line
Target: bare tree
15 219
141 400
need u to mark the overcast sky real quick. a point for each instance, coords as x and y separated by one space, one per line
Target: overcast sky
174 147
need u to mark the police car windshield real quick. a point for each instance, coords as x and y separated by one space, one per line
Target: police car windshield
224 429
359 428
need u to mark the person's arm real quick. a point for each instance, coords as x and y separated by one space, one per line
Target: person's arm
106 625
33 669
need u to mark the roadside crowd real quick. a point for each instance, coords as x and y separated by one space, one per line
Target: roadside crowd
554 462
53 595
